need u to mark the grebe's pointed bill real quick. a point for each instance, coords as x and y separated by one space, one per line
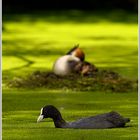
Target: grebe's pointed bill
41 117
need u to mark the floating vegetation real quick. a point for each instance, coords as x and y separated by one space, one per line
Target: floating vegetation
102 80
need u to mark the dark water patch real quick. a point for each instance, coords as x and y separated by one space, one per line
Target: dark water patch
74 16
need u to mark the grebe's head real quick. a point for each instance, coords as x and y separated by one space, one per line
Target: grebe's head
77 52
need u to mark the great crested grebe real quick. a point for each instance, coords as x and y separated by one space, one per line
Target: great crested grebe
66 64
73 61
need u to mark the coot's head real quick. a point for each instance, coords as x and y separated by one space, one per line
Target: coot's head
49 111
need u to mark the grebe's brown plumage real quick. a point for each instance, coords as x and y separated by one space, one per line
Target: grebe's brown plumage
77 52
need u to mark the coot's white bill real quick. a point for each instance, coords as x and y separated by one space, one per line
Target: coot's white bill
40 118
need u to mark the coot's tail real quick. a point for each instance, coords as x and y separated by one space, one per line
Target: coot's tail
117 119
126 120
123 122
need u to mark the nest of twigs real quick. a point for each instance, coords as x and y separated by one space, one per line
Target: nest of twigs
101 80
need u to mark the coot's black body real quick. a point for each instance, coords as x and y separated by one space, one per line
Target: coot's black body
102 121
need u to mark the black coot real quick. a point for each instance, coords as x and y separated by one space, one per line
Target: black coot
102 121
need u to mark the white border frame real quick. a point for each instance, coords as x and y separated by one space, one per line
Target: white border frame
0 69
138 69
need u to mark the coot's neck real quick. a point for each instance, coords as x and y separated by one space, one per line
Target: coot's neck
59 122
